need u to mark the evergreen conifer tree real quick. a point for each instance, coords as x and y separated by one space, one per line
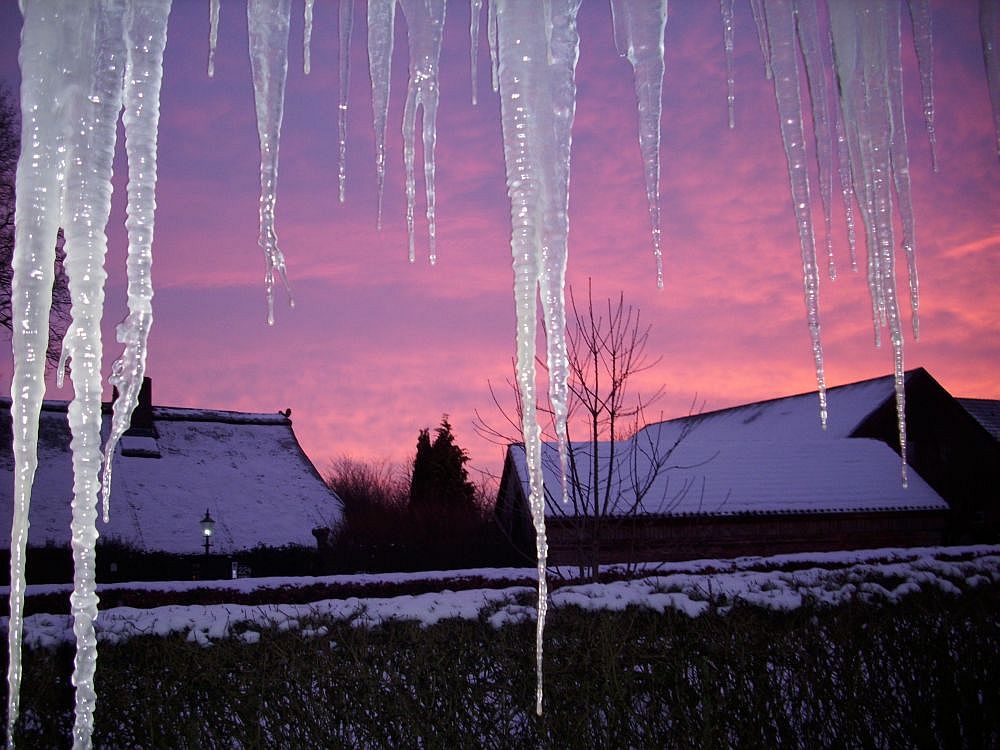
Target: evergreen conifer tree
439 475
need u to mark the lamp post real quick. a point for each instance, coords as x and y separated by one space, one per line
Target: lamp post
207 529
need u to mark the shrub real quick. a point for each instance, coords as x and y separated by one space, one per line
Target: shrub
920 673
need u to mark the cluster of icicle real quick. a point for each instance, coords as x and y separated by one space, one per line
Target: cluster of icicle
83 65
70 114
865 137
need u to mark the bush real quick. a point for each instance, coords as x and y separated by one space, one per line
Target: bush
117 561
920 673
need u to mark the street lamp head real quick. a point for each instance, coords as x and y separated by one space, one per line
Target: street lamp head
207 524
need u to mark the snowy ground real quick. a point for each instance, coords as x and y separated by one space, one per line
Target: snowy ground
781 582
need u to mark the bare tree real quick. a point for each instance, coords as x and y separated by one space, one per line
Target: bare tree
618 469
10 148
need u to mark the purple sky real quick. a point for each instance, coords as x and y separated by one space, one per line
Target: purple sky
377 348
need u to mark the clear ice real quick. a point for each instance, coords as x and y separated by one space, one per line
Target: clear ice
213 33
809 38
346 19
425 28
639 27
381 28
780 20
267 24
307 34
110 55
64 180
920 18
475 9
866 44
727 40
537 62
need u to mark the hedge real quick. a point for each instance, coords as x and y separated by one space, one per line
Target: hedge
920 673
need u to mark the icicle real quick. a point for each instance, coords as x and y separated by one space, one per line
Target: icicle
307 34
475 8
846 188
346 25
86 207
213 34
784 67
268 22
564 51
147 36
866 43
425 27
727 35
808 34
537 106
639 28
989 29
381 26
491 36
46 85
920 17
757 8
900 160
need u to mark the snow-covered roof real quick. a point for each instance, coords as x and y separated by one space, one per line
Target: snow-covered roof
794 417
247 469
736 478
765 457
986 411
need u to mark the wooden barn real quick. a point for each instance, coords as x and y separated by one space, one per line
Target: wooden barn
246 470
764 478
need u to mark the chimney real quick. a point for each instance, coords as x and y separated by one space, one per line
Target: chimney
142 417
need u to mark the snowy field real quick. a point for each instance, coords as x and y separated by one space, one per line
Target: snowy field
781 582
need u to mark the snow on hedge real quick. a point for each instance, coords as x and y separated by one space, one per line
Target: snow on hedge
782 582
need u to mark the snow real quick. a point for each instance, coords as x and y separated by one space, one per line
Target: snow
782 583
792 416
70 116
765 457
241 466
724 478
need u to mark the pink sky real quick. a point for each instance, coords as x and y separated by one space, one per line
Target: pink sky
377 348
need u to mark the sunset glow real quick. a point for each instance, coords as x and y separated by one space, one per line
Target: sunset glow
377 348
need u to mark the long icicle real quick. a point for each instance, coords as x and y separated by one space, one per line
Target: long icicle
86 208
346 25
639 28
864 37
40 180
268 23
425 29
808 35
147 37
381 27
475 10
727 41
531 80
213 34
781 34
307 33
923 44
